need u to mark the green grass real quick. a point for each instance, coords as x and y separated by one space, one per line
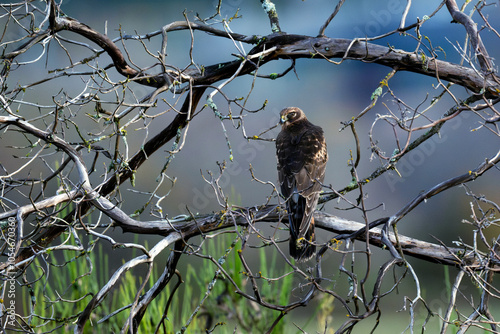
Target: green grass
58 293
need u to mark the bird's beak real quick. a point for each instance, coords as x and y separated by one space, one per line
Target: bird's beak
283 119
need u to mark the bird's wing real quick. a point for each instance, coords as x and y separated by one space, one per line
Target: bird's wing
301 169
310 177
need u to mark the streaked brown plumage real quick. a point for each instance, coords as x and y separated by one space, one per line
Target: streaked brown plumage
302 156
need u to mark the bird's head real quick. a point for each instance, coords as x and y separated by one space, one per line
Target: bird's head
291 115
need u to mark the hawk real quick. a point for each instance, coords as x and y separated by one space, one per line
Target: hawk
302 157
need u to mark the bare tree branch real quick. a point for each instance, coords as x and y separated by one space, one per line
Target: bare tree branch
477 44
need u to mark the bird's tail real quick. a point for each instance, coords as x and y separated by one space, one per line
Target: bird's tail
303 248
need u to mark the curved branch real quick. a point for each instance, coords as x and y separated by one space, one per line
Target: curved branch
271 213
134 163
455 181
185 25
476 41
467 177
307 47
102 203
67 23
98 298
299 46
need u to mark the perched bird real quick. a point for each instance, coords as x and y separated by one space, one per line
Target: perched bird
302 157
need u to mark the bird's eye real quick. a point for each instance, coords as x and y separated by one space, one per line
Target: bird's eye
292 114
